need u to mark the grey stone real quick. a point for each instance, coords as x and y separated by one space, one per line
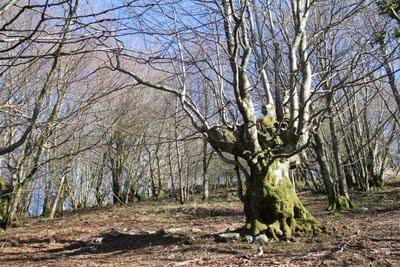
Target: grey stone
228 237
172 231
180 230
148 232
248 239
261 239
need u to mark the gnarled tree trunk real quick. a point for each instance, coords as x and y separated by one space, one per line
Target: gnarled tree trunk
271 205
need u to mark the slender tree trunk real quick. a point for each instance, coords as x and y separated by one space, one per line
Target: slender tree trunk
171 172
180 174
116 186
359 136
13 205
227 185
344 200
335 201
325 172
46 203
57 198
5 197
205 176
25 203
48 195
160 191
179 159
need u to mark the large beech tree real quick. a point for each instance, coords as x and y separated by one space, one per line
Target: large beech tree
253 58
256 78
267 144
246 73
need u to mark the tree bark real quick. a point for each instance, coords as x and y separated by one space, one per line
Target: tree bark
336 201
325 172
205 176
343 201
13 205
5 197
57 198
272 206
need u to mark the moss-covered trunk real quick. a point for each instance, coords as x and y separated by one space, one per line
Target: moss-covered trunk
335 200
272 206
5 196
13 205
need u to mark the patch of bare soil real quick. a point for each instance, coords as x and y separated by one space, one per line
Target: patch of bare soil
369 235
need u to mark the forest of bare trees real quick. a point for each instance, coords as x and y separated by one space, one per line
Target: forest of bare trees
109 102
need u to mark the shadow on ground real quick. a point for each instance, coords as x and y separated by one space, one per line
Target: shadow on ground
101 245
201 213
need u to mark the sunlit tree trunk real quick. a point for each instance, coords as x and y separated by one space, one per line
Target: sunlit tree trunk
57 198
271 204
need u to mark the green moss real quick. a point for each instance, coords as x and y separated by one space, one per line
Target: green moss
275 209
397 197
283 200
229 135
286 228
161 193
255 227
342 203
274 230
4 185
331 206
140 197
268 121
223 137
278 140
337 215
278 191
4 201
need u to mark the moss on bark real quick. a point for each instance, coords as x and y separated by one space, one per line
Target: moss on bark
272 206
5 196
340 203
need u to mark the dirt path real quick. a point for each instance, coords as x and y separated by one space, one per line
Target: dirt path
127 236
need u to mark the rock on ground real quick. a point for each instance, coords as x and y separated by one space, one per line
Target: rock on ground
261 239
228 237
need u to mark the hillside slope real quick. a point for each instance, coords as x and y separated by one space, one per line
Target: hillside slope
131 236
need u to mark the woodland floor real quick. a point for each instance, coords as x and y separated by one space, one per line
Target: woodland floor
369 235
